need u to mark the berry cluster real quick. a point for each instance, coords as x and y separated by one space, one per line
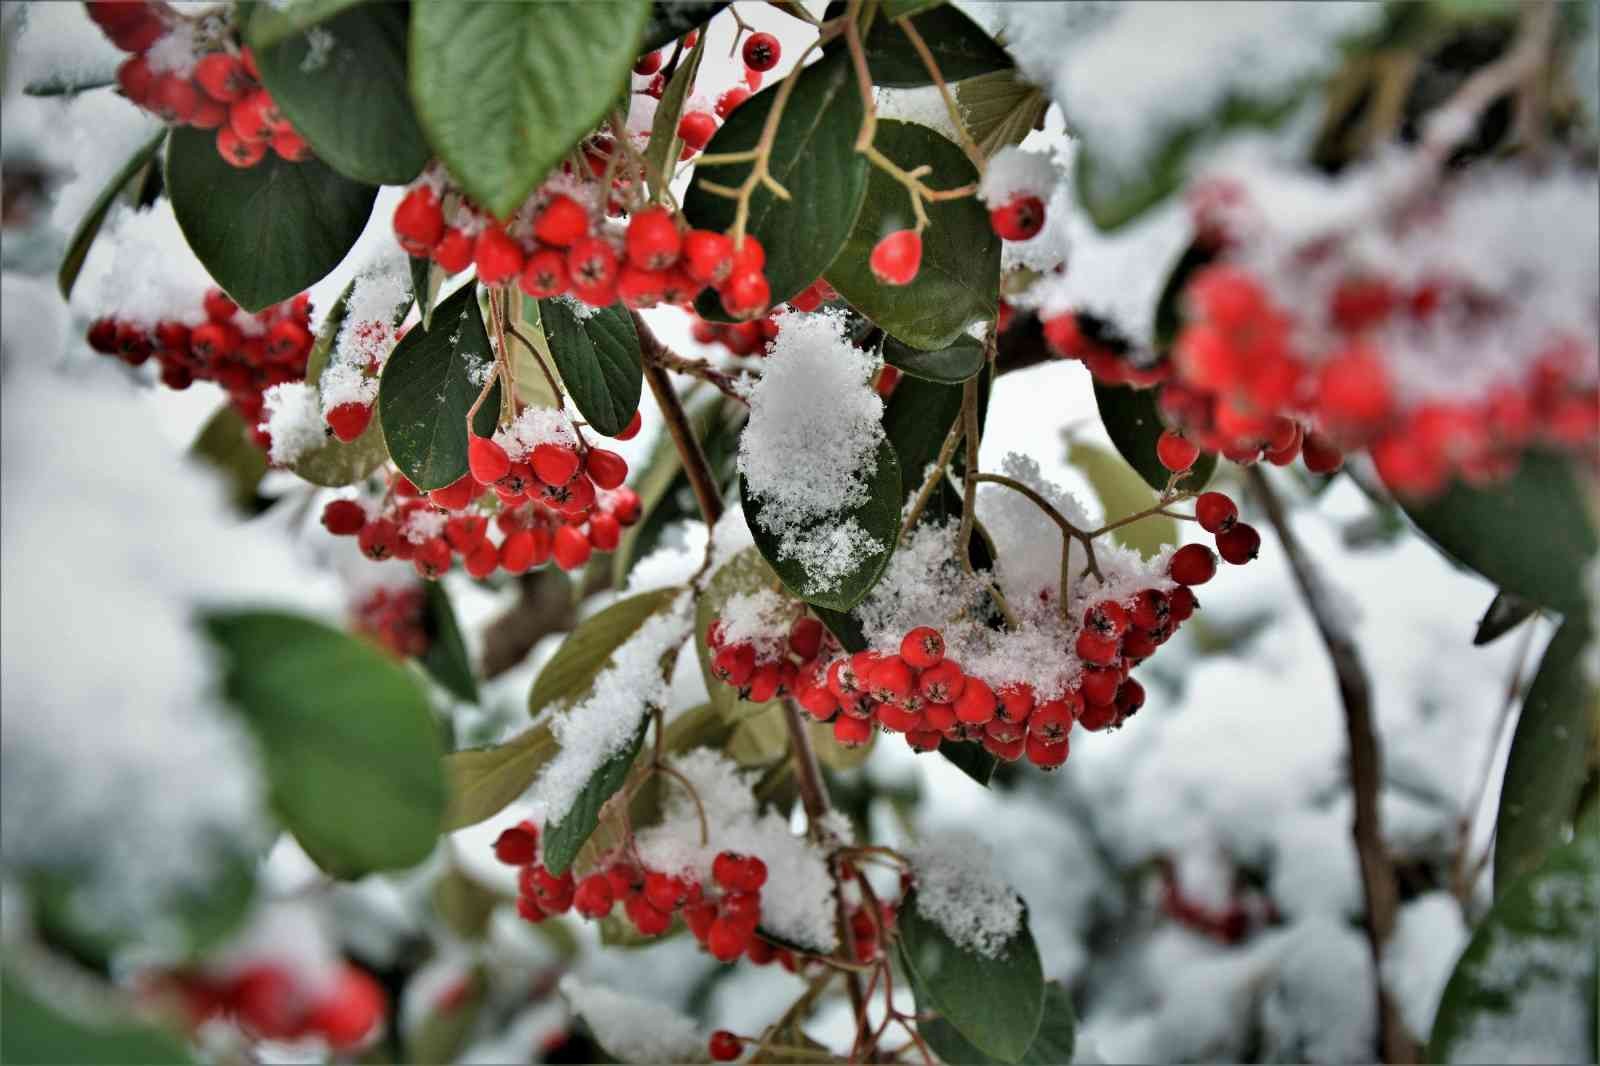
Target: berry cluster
245 354
217 89
271 1003
723 919
394 617
751 337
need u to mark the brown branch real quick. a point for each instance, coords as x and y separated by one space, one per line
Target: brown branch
695 465
1379 884
727 384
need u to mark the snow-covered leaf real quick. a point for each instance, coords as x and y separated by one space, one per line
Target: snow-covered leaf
598 359
994 1003
446 658
335 463
343 86
266 232
1134 424
83 237
949 365
959 281
350 744
505 90
563 839
589 648
1524 988
1052 1044
1548 763
65 84
745 573
814 158
429 384
484 780
1122 491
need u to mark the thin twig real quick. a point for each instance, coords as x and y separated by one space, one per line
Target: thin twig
969 495
727 384
549 375
967 144
693 457
1454 122
946 451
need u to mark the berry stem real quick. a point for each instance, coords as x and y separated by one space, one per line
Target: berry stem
502 357
727 384
693 457
1159 508
741 27
1379 883
544 368
1069 533
932 65
946 451
969 491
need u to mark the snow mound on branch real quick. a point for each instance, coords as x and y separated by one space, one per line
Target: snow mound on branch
634 1030
798 902
958 890
810 445
293 417
1015 172
602 724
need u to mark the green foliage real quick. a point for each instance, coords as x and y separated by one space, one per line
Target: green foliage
36 1030
599 361
995 1004
224 444
267 232
89 227
483 781
950 366
350 102
334 463
813 157
661 154
671 19
878 516
959 281
426 277
958 45
1131 418
504 91
427 389
971 758
563 839
1001 108
1052 1044
589 648
745 573
349 743
446 658
271 23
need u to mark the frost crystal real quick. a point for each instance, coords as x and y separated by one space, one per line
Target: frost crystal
958 891
294 420
634 1030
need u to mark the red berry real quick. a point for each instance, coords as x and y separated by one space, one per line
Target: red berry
805 637
976 704
498 257
1052 721
1061 332
1016 702
645 916
896 258
1091 647
653 241
135 79
1175 451
554 464
352 1012
290 146
605 532
748 254
487 460
103 336
544 274
222 76
891 680
456 495
343 518
1130 697
1192 564
561 222
1321 455
1098 716
267 1002
1045 755
852 732
695 130
593 897
735 664
727 938
378 540
941 683
746 294
517 552
1215 512
518 845
465 532
922 647
592 263
254 116
571 548
455 250
237 151
1239 545
1019 219
761 51
419 221
707 256
730 100
648 64
432 558
1353 388
631 430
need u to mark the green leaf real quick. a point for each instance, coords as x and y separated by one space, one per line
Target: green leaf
464 904
746 572
533 388
959 47
900 8
89 228
504 91
971 758
952 365
959 281
599 361
994 1003
1504 613
916 420
1052 1044
671 19
845 627
225 444
442 1032
1000 108
426 277
1530 534
483 781
1134 424
36 1030
587 649
661 154
762 739
349 742
427 389
267 232
1549 756
1525 985
1122 491
71 84
813 157
878 516
347 99
334 463
446 658
563 839
271 23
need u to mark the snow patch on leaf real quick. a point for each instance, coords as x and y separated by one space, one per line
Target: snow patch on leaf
634 1030
958 891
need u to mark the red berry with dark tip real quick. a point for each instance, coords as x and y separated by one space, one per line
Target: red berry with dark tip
1239 545
1192 564
761 51
1215 512
1018 219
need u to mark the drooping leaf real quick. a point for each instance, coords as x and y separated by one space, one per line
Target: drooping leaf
446 658
266 232
971 758
1504 613
428 387
351 752
745 573
36 1030
89 227
1052 1044
343 86
959 47
878 517
1000 108
599 361
586 651
813 157
1525 985
661 154
426 277
334 463
225 444
504 91
1131 418
530 361
563 839
959 280
1122 492
1530 534
949 365
1549 758
278 21
994 1003
671 19
483 781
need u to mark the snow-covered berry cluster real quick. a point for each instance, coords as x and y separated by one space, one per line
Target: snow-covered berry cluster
190 72
245 354
272 1001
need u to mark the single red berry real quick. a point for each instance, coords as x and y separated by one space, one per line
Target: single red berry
103 336
498 257
1045 755
852 732
726 939
456 495
896 258
648 64
135 79
222 76
432 558
289 145
571 549
1353 388
695 130
761 51
1015 704
746 294
254 116
554 464
343 518
922 647
237 151
175 98
518 845
941 683
209 114
645 916
455 250
593 897
976 704
288 341
891 680
707 256
1239 545
1192 564
605 532
349 420
419 221
805 637
353 1011
1091 647
267 1000
1176 451
631 430
653 241
1108 619
730 100
378 540
735 664
1130 697
465 532
592 264
517 551
1321 455
1019 219
1215 512
487 460
725 870
561 222
544 274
